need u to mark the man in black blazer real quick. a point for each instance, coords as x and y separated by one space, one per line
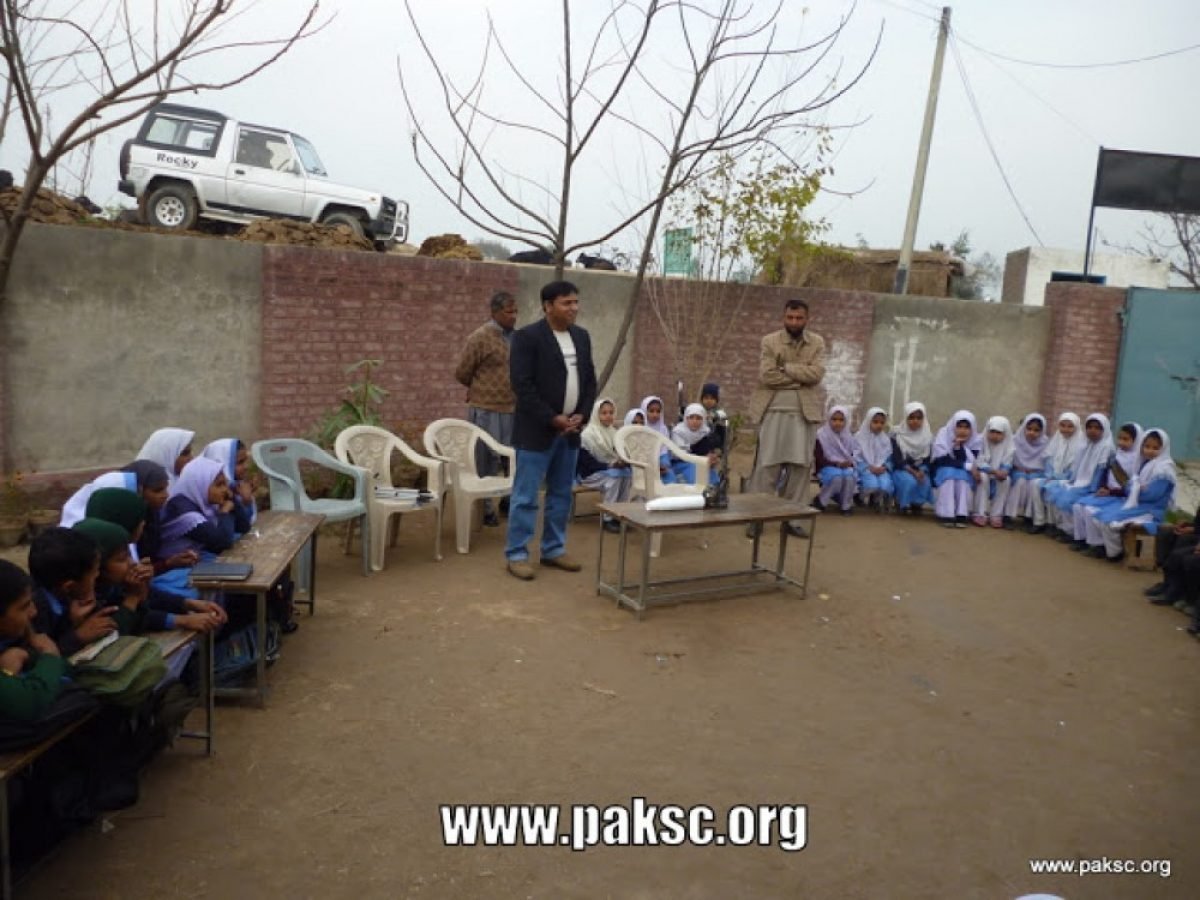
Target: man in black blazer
550 365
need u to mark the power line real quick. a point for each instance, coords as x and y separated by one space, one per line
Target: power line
1036 96
962 72
1096 65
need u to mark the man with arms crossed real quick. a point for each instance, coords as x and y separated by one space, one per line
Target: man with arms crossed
788 405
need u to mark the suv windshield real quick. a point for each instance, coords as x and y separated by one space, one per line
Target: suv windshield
308 156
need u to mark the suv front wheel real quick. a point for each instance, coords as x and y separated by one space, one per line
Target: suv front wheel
172 206
353 222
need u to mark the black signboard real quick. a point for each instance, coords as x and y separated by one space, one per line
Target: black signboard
1154 182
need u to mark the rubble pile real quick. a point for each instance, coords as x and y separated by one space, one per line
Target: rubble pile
303 234
449 246
48 207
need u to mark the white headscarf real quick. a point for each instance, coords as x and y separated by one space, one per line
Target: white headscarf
1061 451
164 447
875 449
943 444
1162 466
1095 454
914 444
224 451
839 446
685 437
1026 453
600 440
661 425
997 456
75 509
1129 460
633 414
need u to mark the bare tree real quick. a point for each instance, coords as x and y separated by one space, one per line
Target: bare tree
1175 239
122 60
715 77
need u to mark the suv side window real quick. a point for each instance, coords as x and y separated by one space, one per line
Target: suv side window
197 135
264 149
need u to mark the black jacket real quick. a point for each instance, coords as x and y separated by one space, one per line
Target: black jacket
539 380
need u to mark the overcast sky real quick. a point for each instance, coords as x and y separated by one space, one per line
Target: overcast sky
340 90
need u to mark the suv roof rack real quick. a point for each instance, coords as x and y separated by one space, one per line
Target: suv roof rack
194 111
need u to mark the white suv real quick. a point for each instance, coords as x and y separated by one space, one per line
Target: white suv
187 163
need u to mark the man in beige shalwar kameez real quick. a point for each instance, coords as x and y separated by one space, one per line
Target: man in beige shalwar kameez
788 405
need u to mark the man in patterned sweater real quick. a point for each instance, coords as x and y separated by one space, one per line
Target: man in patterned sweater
483 368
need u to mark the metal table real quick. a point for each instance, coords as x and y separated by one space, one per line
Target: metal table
277 539
743 509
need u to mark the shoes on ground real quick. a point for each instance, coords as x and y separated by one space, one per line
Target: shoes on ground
520 568
564 562
612 525
491 520
1156 590
796 531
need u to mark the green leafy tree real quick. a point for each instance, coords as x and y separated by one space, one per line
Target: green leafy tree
981 271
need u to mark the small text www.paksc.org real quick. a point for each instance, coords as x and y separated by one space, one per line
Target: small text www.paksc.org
638 824
1103 865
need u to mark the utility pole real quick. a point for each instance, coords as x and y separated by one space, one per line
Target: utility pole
918 188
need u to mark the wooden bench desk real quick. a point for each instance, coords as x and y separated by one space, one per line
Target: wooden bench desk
275 541
743 509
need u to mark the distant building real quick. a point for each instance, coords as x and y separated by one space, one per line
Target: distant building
853 269
1028 271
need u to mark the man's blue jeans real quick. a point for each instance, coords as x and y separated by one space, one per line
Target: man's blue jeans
556 467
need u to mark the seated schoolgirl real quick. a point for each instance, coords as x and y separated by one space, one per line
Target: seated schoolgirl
693 435
635 417
1029 464
598 464
1120 469
158 611
199 515
171 448
1148 497
838 450
1061 453
234 458
991 472
1089 467
873 462
954 450
74 509
912 442
652 412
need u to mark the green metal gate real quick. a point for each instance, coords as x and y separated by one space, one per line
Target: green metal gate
1158 376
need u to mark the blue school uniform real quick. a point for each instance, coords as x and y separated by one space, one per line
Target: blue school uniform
909 490
1153 500
952 467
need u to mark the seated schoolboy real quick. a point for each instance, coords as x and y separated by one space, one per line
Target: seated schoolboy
32 672
1148 498
714 416
837 449
598 464
126 588
874 460
991 472
693 436
912 443
1170 540
955 448
64 565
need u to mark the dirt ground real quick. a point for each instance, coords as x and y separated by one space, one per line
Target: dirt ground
948 704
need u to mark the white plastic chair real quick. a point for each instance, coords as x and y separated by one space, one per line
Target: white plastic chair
453 441
642 448
280 459
371 448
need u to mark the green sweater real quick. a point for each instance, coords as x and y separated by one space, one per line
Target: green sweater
26 696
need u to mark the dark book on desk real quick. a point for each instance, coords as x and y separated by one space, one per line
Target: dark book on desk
218 571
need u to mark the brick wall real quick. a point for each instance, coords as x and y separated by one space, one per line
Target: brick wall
843 318
324 310
1085 346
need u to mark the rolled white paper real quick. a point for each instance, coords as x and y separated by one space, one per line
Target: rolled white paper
669 504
